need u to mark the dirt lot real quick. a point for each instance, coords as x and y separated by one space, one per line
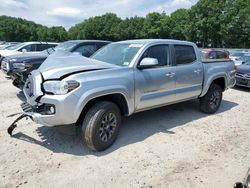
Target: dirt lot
175 146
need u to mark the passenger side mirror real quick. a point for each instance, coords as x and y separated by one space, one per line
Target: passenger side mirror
148 63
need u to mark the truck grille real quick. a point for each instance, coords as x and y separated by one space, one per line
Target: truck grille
32 87
29 87
26 107
5 66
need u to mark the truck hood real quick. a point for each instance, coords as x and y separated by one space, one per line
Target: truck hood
62 64
244 69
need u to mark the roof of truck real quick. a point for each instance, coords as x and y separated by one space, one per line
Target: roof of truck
149 41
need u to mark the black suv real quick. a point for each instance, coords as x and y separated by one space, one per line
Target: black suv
18 67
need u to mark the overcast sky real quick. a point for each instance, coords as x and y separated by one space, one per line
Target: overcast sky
70 12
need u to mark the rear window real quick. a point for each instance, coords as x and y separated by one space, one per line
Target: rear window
184 54
221 55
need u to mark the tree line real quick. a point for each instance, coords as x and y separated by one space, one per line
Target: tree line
209 23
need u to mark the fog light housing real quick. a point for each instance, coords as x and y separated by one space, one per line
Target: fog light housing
52 110
47 109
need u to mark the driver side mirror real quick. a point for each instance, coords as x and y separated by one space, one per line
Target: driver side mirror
148 63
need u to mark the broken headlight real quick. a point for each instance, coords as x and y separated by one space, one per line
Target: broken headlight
60 87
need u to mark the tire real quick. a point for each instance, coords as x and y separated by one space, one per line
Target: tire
101 125
210 102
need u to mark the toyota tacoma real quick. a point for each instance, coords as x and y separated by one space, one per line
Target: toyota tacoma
121 79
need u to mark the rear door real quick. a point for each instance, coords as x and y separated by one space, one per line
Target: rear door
188 72
155 86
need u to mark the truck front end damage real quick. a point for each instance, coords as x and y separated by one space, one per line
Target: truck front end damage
47 108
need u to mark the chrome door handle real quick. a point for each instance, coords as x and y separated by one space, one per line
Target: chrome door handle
170 74
197 71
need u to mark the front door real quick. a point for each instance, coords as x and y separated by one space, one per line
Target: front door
155 86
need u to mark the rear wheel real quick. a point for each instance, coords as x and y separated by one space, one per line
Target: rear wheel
101 125
210 103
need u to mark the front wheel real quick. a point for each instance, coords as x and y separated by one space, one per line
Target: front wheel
210 102
101 125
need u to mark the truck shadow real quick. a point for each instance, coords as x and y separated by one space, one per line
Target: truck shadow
135 128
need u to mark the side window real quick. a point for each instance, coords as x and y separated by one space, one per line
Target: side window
221 55
51 45
86 50
184 54
212 55
159 52
41 47
29 48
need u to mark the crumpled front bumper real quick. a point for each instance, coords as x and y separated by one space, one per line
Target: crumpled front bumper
33 113
39 103
64 110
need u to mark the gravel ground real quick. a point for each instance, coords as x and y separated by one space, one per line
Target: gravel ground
175 146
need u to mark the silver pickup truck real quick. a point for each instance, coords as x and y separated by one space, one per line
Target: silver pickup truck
120 79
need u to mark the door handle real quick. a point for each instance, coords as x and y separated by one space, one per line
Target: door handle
170 74
197 71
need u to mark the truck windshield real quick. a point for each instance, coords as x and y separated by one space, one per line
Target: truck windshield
120 54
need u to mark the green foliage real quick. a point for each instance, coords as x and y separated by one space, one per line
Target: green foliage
220 23
179 23
17 29
209 23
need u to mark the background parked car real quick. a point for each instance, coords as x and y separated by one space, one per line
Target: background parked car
214 54
236 55
243 74
242 59
30 47
8 44
19 66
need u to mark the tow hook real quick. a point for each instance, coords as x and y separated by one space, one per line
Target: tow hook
14 124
